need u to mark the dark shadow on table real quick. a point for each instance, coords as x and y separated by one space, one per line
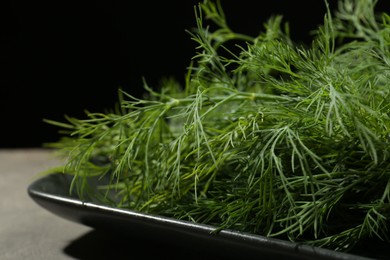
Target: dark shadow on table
98 244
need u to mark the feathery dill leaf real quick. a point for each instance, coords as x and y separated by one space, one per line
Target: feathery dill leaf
268 137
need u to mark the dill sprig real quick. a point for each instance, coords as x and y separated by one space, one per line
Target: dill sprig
268 137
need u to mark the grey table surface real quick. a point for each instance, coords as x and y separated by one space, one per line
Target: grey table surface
27 231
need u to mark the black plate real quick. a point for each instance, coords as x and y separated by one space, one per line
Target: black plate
52 193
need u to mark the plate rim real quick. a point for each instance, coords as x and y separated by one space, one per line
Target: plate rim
47 199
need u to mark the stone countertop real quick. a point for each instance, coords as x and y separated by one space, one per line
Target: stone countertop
27 231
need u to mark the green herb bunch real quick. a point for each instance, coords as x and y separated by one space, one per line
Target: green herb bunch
266 136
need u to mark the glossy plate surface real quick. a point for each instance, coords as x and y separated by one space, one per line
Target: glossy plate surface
52 193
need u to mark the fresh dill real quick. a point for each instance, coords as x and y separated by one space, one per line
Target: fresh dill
269 137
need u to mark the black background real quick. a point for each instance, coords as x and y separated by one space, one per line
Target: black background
63 57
